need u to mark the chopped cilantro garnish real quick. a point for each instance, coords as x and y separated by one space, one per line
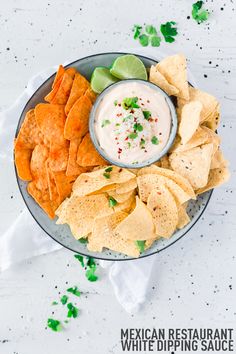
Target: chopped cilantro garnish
198 14
90 274
168 31
64 299
105 122
138 127
137 31
80 259
147 114
133 135
140 245
91 262
74 291
130 102
72 310
83 240
150 29
108 169
54 303
117 124
106 175
55 325
143 40
155 140
112 202
115 103
155 41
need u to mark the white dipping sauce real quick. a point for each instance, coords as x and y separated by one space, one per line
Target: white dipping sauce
132 123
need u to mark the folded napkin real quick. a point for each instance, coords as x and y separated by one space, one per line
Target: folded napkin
129 279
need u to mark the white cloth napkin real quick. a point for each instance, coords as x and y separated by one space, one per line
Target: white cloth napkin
129 279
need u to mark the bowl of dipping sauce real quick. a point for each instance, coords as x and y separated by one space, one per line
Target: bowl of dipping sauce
133 123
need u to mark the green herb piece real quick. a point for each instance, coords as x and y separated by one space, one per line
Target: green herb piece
137 31
168 31
140 245
55 325
117 124
133 135
147 114
127 118
80 259
138 127
72 310
143 40
66 321
74 291
54 303
106 175
83 240
155 41
105 122
112 202
90 274
150 29
155 140
130 102
108 169
198 14
91 262
64 299
115 103
129 144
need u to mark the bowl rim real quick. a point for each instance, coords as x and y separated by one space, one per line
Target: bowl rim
173 125
20 121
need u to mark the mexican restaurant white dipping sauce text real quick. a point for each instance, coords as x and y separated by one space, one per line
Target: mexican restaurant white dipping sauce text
132 123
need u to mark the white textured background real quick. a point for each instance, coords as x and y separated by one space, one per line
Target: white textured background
193 282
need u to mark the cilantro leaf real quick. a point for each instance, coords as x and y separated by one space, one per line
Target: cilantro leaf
137 31
140 245
54 303
143 40
108 169
130 102
90 274
112 202
72 310
168 31
64 299
155 41
83 240
138 127
198 14
80 259
147 114
115 103
150 29
74 291
105 122
91 262
155 140
106 175
55 325
133 135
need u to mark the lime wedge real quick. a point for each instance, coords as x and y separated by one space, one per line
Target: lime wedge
101 78
129 67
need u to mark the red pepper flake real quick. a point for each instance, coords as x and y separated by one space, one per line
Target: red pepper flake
116 138
131 111
127 138
156 120
159 193
148 101
160 133
150 119
119 150
142 104
145 150
119 104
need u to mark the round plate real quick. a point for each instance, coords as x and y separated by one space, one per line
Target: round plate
61 233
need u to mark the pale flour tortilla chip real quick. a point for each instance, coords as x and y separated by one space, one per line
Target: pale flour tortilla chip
163 208
174 69
126 206
104 236
90 182
127 186
158 79
183 218
194 164
174 176
149 182
138 225
190 119
213 119
164 162
79 213
200 137
218 160
217 177
212 138
120 198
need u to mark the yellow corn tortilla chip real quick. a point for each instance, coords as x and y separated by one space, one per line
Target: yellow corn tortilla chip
22 162
218 160
200 137
79 86
138 225
104 236
183 218
174 69
87 154
163 208
158 79
193 164
127 186
212 138
126 205
120 198
149 182
164 162
90 182
217 177
190 119
80 212
213 119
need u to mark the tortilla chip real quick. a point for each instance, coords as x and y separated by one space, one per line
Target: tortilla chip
120 198
63 184
77 120
193 164
138 225
29 134
73 169
90 182
50 96
149 182
105 236
183 218
22 162
213 119
190 119
174 70
38 166
88 155
164 162
218 160
200 137
216 178
158 79
80 85
126 186
58 156
126 205
59 74
52 189
43 199
213 138
63 91
90 94
80 212
163 208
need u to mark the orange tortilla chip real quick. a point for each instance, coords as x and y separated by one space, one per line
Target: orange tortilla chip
63 91
50 96
63 184
38 166
90 94
22 162
59 75
73 169
88 155
53 194
58 156
77 120
80 85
